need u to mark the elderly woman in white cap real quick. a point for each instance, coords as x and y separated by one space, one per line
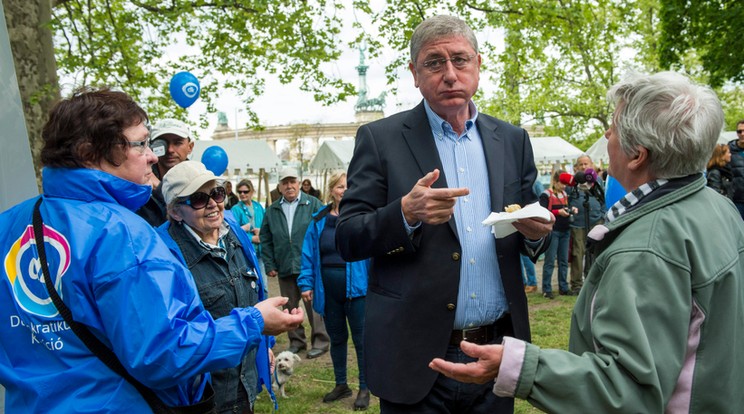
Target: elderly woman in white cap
225 269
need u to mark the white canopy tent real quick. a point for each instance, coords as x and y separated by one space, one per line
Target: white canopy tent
549 150
727 136
244 157
333 155
598 150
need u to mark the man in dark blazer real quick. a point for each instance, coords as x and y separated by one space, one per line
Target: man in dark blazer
420 183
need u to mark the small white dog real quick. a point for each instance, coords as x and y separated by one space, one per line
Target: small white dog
283 369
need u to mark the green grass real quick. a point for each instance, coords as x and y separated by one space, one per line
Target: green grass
550 321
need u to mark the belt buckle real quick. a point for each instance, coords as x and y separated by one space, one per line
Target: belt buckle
465 336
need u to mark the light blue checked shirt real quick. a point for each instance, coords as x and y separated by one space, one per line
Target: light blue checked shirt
481 298
289 208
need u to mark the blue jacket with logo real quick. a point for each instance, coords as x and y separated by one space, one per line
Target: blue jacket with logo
310 277
118 278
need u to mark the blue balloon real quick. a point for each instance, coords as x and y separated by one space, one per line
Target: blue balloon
613 191
215 159
184 89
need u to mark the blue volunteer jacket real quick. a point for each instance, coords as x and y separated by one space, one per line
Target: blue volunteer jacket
121 280
310 277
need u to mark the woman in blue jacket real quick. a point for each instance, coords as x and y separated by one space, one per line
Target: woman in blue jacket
115 275
337 290
249 214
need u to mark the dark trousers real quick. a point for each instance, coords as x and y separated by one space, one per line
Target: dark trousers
241 404
339 309
319 337
449 396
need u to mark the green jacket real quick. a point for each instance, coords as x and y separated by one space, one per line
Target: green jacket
659 324
280 250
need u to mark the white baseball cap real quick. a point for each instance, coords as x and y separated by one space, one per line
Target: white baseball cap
288 172
170 126
184 179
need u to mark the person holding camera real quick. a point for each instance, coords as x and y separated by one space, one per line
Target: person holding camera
590 211
171 141
555 200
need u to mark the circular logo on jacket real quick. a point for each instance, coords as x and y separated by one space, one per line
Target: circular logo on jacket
23 268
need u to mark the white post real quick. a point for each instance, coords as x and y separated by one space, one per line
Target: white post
236 124
17 177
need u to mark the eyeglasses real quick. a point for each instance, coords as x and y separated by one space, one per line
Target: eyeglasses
199 200
459 62
740 131
140 146
244 192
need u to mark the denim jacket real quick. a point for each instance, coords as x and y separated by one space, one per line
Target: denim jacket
223 284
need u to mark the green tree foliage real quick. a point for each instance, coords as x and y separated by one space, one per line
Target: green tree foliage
138 45
733 106
707 28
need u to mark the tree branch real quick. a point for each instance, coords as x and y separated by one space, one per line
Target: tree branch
485 10
154 9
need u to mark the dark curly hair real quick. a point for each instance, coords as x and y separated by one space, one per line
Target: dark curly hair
88 127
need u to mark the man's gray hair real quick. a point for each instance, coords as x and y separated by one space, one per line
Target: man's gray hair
678 121
438 27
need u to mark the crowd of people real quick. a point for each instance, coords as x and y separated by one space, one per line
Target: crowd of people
140 276
555 199
578 207
725 169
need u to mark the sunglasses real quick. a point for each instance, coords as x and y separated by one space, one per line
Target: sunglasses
199 200
244 192
740 131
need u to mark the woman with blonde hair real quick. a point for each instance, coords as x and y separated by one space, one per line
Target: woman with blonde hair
337 289
718 172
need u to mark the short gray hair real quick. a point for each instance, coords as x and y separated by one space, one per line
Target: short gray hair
438 27
678 121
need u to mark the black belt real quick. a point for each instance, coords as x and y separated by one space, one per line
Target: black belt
482 334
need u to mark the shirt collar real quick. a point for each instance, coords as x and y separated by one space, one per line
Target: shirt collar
220 247
442 128
94 185
633 198
284 200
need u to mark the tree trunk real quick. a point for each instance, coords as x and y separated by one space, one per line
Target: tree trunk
35 65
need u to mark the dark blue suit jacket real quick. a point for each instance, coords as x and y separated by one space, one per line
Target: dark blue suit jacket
414 281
